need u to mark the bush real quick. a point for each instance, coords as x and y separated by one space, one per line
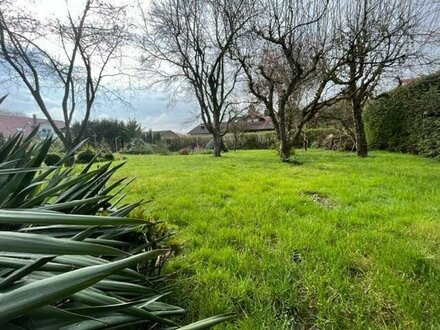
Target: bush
184 151
329 138
210 146
248 141
106 155
407 119
52 159
86 155
317 136
57 147
338 142
91 268
140 147
191 142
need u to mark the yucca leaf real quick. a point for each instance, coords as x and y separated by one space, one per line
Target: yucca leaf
19 273
123 287
47 291
113 321
209 322
85 261
92 310
17 263
46 218
18 170
50 192
11 326
95 297
51 317
41 244
80 202
3 98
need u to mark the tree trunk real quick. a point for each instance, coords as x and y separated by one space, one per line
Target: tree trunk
360 136
285 145
217 144
285 148
71 160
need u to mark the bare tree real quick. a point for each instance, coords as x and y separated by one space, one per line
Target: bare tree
375 37
190 42
237 128
70 54
283 58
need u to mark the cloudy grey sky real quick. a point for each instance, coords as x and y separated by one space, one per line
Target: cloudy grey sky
152 108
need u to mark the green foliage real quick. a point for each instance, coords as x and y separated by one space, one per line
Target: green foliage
317 136
86 155
107 155
407 119
184 151
140 147
105 133
151 137
70 255
253 140
52 159
2 138
335 243
192 142
331 138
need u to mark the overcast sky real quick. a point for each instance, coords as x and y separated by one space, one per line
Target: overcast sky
152 108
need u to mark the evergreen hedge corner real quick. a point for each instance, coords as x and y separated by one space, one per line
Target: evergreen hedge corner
407 119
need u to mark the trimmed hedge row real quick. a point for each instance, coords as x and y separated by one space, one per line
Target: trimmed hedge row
407 119
247 141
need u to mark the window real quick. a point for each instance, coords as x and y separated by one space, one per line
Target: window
202 127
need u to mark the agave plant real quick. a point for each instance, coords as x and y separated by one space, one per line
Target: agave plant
70 257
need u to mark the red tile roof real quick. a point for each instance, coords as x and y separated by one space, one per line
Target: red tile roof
11 124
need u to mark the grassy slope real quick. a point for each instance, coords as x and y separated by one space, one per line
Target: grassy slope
257 243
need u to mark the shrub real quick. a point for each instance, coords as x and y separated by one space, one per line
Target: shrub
247 141
329 138
192 142
52 159
184 151
57 147
85 156
407 119
338 142
70 264
106 155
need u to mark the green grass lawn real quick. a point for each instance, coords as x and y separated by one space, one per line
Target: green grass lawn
336 242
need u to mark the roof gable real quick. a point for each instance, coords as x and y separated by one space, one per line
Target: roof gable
11 124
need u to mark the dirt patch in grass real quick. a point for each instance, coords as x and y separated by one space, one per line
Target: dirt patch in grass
320 198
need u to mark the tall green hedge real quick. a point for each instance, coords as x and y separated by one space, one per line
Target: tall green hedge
407 119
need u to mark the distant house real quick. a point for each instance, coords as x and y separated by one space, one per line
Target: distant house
252 122
164 135
12 124
406 81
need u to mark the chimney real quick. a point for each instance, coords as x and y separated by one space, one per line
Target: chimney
34 120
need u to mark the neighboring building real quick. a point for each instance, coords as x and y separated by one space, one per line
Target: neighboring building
252 122
12 124
406 81
167 134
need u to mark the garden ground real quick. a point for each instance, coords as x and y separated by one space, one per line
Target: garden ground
335 242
